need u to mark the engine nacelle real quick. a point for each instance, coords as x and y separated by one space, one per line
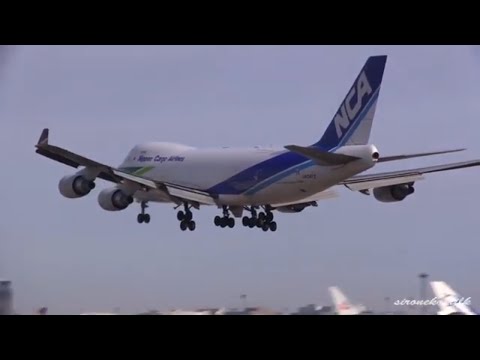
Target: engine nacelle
114 199
394 193
75 186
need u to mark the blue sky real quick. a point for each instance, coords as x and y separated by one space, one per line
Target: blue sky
100 101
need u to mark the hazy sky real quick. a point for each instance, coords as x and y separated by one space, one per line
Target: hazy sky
72 256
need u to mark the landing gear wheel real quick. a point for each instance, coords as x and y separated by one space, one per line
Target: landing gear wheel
146 218
269 217
223 223
265 227
273 226
217 221
180 216
140 218
246 221
231 222
260 222
183 226
191 225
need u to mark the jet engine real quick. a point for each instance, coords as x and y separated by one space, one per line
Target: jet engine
114 199
75 186
394 193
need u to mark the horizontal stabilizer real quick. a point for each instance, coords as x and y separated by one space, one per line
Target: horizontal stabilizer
410 156
322 157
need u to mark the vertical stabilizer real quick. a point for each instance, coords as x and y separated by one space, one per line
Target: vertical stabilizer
341 303
449 301
352 124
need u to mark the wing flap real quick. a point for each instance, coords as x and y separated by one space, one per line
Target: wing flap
366 185
191 195
364 182
411 156
136 179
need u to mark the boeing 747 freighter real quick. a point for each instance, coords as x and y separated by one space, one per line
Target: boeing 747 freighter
258 181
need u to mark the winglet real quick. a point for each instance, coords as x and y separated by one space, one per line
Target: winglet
43 140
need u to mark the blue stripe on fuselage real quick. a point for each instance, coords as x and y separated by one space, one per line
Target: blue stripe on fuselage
268 172
306 163
254 175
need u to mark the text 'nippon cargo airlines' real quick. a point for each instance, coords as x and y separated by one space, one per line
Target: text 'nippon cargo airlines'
255 180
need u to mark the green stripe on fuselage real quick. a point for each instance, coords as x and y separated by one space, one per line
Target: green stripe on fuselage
138 170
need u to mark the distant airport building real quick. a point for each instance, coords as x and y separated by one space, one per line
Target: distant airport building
313 309
6 297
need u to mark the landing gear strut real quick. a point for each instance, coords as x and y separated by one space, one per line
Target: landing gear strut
185 218
142 217
263 220
226 220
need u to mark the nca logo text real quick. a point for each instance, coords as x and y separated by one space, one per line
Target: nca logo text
349 111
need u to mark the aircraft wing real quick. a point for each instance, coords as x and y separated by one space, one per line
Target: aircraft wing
411 156
177 193
366 182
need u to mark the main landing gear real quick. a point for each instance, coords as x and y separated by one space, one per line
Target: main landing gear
185 218
142 217
263 220
226 220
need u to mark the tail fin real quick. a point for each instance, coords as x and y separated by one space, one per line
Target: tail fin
341 303
352 123
449 301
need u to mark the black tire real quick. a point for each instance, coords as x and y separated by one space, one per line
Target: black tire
188 216
146 218
273 226
183 226
265 227
217 221
223 222
246 221
261 216
231 222
260 223
180 216
192 225
140 218
252 223
269 217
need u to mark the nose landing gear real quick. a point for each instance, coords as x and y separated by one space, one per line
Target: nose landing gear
142 217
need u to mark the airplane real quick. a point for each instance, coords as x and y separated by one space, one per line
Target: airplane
449 302
342 304
257 180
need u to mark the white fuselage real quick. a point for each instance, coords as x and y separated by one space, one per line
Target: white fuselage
248 176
